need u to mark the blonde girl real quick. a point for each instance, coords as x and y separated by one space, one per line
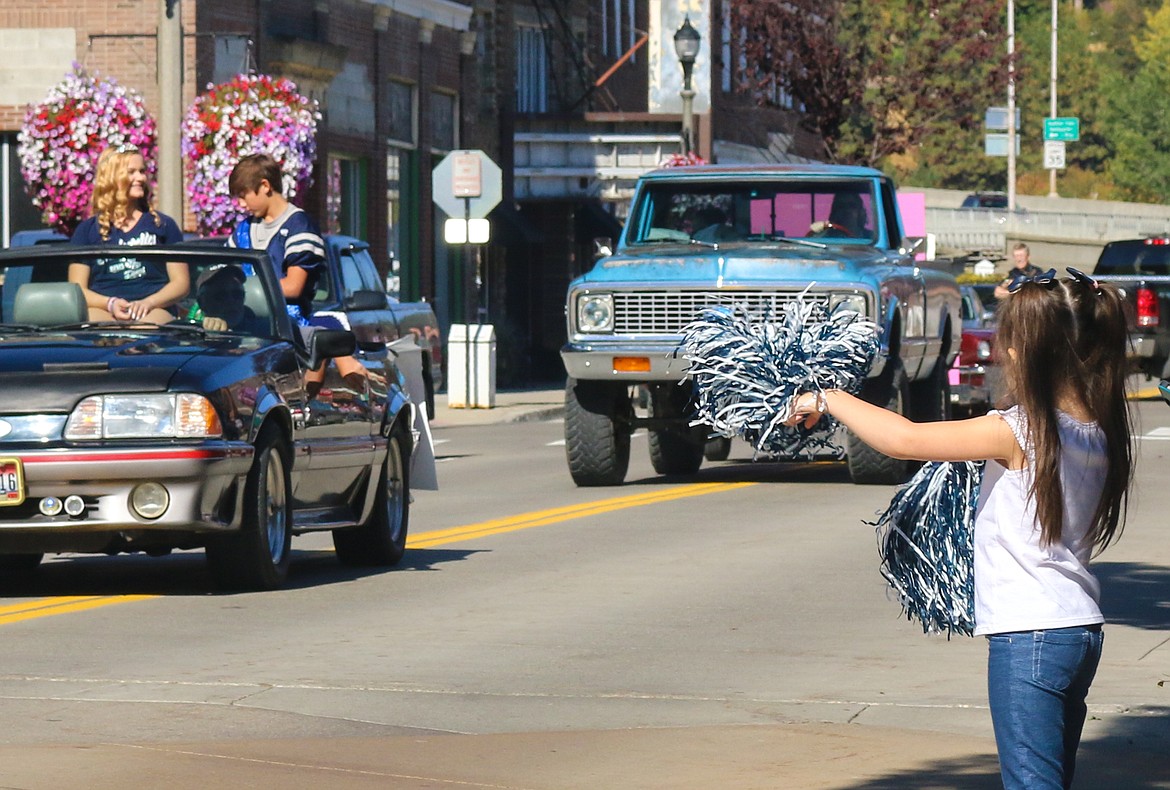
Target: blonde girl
124 288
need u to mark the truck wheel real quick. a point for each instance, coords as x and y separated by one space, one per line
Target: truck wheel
382 539
930 399
717 448
866 465
674 450
597 432
257 557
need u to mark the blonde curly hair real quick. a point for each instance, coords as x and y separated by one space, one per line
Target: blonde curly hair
111 190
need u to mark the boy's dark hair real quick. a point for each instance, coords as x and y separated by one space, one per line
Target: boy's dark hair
251 170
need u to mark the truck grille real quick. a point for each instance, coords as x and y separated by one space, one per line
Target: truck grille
667 312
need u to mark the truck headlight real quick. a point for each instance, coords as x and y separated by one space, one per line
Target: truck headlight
182 415
595 312
855 302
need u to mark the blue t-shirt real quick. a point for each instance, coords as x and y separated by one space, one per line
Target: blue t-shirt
127 277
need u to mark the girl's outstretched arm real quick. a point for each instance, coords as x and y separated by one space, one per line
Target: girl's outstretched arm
976 439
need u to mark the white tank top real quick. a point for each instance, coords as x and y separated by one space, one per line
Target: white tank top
1020 586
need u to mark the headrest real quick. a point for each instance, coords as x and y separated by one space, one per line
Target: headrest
49 304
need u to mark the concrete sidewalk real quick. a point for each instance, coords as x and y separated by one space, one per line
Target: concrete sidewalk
519 405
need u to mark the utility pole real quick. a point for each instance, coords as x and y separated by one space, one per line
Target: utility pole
1052 105
169 73
1011 106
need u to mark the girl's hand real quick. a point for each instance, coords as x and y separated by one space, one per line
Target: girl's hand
137 311
119 309
808 409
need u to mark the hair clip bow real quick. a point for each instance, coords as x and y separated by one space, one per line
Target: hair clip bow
1084 279
1046 278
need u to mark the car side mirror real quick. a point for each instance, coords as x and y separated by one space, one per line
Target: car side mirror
329 343
365 300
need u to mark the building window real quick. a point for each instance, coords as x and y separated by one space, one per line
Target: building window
233 55
400 99
403 278
532 70
617 28
348 197
443 136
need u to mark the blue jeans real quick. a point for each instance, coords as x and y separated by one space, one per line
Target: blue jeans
1037 682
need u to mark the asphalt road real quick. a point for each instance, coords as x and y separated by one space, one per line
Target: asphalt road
726 631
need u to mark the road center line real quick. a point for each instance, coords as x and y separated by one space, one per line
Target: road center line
45 607
540 518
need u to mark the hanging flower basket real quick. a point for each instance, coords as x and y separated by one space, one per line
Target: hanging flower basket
63 136
249 114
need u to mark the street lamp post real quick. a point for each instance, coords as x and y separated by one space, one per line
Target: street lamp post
686 46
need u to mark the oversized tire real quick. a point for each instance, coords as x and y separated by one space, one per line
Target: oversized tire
381 540
597 432
717 448
20 562
676 449
930 399
257 557
866 465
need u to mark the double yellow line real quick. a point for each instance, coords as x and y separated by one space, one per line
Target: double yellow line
46 607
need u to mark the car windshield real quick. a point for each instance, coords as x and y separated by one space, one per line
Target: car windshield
226 292
747 212
1136 256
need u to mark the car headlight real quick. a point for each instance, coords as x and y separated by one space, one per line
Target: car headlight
595 312
855 302
181 415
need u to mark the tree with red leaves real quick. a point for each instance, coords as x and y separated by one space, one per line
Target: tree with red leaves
877 79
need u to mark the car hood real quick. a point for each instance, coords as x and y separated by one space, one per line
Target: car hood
46 372
740 264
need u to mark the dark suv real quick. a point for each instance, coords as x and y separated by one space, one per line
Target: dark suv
985 200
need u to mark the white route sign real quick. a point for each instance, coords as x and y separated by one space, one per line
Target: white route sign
1054 154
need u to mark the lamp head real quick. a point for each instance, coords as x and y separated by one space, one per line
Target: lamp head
686 42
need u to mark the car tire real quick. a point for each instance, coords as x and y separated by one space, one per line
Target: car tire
674 449
381 540
16 563
866 465
717 448
597 432
930 399
258 556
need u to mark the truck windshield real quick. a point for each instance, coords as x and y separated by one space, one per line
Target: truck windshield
835 211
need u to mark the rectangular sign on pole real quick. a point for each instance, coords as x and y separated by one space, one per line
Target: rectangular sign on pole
466 175
1065 129
1054 154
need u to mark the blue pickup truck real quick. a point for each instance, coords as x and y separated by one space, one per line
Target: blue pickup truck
756 237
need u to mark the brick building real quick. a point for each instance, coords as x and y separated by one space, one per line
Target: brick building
572 98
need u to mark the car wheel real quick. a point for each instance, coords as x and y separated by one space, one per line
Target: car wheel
20 562
382 539
866 465
597 432
673 448
930 400
717 448
257 557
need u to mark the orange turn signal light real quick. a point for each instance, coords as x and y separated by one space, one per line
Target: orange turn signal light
631 364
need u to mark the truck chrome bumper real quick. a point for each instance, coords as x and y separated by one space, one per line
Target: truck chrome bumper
630 362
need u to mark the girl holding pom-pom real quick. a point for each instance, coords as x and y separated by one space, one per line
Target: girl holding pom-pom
1053 494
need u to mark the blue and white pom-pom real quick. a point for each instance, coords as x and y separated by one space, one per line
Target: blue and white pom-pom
747 374
925 540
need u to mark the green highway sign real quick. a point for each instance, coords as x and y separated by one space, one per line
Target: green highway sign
1067 129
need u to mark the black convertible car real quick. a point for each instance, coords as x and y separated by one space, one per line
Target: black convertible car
123 437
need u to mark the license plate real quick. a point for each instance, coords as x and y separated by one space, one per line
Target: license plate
11 482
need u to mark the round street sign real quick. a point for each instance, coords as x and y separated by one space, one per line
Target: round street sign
466 181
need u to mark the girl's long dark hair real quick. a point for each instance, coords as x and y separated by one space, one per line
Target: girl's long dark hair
1069 335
